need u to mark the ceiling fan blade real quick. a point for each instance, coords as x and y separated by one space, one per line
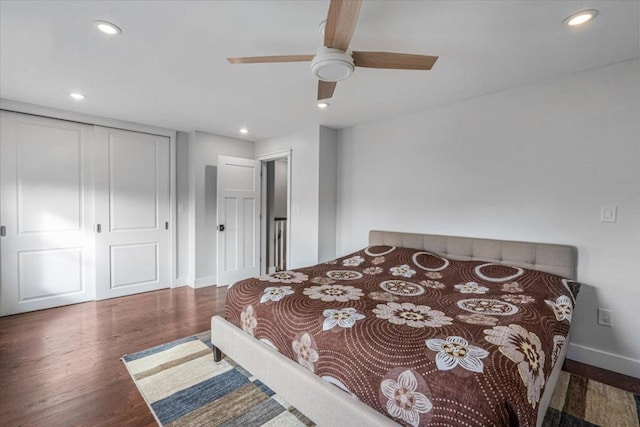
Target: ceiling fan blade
398 61
341 22
325 89
275 58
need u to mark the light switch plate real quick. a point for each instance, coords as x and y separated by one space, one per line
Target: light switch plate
609 214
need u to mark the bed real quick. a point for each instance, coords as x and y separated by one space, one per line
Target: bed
414 329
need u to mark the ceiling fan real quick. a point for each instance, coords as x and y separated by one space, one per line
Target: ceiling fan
334 61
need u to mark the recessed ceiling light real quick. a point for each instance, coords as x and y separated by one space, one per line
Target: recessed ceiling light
581 17
77 96
107 27
244 131
322 105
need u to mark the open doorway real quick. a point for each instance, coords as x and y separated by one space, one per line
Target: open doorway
276 177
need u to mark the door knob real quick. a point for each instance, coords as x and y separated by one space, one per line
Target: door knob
221 227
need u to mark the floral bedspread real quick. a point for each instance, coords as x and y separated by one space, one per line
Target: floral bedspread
420 338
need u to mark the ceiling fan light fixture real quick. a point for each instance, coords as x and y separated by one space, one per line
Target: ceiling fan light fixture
322 26
332 65
107 27
580 18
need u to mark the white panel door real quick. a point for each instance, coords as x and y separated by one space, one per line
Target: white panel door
238 210
132 212
46 251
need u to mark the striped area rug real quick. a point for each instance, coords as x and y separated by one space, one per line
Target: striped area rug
184 387
578 401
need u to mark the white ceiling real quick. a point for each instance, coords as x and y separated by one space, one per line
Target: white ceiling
168 68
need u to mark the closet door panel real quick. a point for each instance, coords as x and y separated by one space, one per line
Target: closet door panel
134 264
132 208
133 182
45 202
49 178
49 273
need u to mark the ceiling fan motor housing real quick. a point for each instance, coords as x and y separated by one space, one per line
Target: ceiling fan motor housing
332 65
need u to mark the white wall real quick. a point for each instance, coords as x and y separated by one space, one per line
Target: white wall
328 170
531 163
203 151
182 201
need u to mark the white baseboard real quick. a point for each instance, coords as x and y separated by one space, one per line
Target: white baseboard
203 282
182 281
604 360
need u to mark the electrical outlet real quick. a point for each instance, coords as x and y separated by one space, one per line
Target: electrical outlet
605 317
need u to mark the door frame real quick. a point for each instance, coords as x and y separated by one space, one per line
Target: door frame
264 158
54 113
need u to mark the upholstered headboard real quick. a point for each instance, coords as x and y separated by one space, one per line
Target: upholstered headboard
561 260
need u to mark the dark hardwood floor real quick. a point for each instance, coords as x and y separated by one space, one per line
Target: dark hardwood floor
61 367
614 379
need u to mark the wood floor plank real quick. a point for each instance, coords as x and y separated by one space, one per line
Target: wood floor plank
62 366
614 379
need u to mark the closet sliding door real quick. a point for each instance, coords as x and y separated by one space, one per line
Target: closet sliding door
46 244
132 193
84 213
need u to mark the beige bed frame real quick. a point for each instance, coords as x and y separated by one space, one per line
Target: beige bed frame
324 403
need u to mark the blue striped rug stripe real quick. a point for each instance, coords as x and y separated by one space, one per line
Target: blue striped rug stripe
264 388
178 404
157 349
